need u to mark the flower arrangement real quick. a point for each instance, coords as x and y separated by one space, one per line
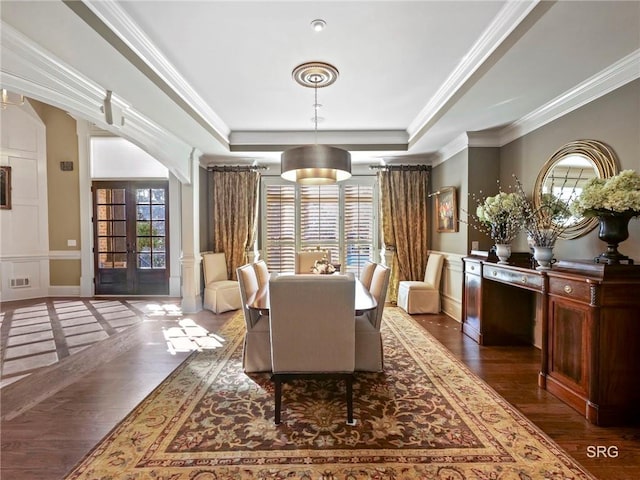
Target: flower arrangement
502 216
323 267
545 223
617 194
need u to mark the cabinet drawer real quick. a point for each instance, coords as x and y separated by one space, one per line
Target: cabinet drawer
522 279
473 268
574 289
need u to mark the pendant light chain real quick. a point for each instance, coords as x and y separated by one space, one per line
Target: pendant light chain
319 214
315 109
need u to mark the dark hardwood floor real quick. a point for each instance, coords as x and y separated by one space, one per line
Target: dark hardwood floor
513 372
47 440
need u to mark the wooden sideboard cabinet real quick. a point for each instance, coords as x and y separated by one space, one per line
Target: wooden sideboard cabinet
590 317
593 340
500 304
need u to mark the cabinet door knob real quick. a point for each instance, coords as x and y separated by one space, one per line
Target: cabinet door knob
568 289
494 273
524 279
472 267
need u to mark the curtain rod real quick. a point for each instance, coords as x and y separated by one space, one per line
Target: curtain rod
236 168
400 167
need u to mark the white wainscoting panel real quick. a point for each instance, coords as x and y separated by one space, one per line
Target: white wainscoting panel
24 252
452 284
35 269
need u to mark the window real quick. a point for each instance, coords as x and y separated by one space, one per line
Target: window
150 228
340 218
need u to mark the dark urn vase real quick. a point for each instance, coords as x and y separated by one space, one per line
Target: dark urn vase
614 229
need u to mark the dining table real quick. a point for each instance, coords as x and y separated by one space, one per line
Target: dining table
364 301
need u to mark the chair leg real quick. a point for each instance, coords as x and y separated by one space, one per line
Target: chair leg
278 393
277 380
349 381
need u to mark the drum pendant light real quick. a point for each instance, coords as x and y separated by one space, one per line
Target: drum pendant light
315 164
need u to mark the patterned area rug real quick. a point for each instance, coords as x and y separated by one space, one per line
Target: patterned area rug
425 417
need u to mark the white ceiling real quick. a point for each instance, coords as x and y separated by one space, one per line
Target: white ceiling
414 76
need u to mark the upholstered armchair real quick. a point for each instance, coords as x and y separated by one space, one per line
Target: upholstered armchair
256 356
423 297
306 260
220 293
312 330
369 352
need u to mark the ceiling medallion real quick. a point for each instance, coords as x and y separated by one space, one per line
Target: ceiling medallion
315 74
318 25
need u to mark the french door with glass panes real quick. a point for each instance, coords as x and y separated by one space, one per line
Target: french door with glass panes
131 233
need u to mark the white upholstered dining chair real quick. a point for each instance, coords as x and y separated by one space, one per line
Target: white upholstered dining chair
220 293
256 355
367 273
423 297
369 351
312 330
306 260
262 272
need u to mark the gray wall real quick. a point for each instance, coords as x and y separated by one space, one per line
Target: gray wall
474 172
613 119
452 173
484 171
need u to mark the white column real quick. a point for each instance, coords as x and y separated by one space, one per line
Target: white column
175 236
86 209
190 258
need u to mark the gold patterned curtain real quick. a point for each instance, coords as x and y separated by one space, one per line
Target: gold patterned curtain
233 193
404 217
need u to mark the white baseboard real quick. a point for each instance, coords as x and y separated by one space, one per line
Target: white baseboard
64 290
452 307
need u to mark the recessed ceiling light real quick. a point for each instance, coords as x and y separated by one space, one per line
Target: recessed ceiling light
318 24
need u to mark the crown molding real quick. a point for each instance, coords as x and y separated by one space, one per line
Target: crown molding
122 25
507 20
615 76
358 140
489 138
29 69
455 146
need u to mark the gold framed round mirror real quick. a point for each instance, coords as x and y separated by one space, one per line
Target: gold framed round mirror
565 174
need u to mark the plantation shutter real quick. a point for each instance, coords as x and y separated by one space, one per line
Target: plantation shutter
320 219
340 218
358 226
281 227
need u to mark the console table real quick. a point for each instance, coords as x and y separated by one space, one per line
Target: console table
590 318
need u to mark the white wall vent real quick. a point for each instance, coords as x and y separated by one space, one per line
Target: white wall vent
20 282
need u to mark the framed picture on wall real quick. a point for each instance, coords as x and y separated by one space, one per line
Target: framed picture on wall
447 210
5 187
